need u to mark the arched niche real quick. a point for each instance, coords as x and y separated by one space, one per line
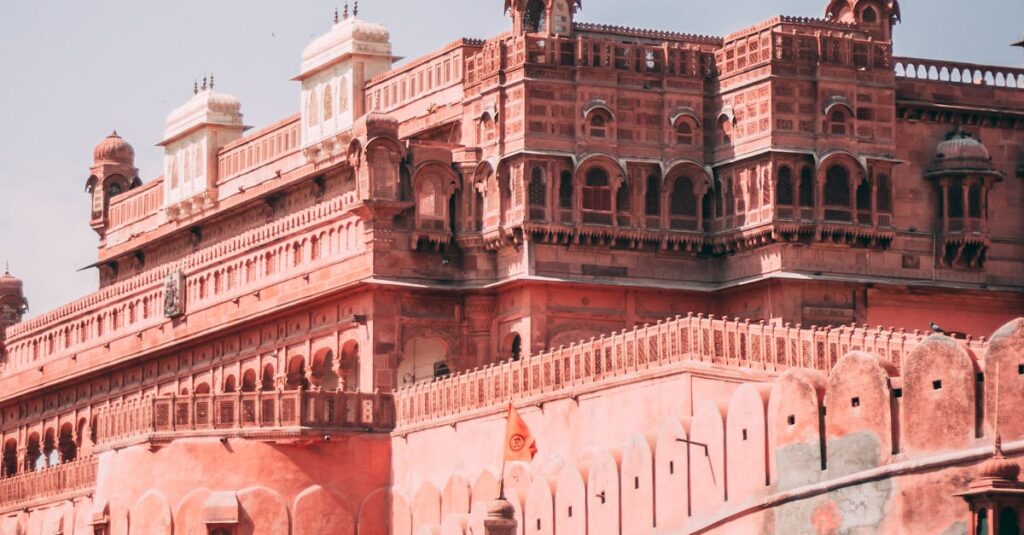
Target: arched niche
746 442
262 511
671 476
603 495
939 382
858 419
426 507
322 370
150 514
485 489
794 428
637 485
456 495
401 514
317 510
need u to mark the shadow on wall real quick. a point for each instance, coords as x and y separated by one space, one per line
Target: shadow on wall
802 430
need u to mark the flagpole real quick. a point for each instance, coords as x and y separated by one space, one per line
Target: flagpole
501 476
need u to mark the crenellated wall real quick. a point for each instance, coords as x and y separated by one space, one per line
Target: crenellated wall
716 447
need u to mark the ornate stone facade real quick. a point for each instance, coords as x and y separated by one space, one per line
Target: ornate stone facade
667 249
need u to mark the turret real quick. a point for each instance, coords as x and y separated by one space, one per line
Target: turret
548 17
13 305
194 133
335 69
874 16
112 173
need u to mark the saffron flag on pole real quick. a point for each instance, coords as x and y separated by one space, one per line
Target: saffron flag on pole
519 442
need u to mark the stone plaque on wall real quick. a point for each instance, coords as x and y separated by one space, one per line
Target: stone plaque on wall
174 295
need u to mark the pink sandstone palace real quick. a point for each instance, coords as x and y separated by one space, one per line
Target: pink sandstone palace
763 283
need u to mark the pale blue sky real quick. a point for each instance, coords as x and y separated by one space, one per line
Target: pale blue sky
73 71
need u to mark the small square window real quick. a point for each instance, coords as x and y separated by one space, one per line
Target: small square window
791 419
981 377
937 385
855 402
897 393
1020 369
744 434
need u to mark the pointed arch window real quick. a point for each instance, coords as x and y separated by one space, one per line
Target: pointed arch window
784 193
313 109
537 194
652 201
869 15
683 205
597 196
328 102
684 133
623 204
807 193
838 122
837 194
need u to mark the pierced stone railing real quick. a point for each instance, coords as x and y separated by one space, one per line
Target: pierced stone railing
700 339
165 418
48 484
962 73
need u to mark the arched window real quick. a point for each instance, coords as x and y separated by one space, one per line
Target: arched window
267 381
652 201
599 121
864 202
249 381
683 205
884 194
537 194
229 384
296 377
807 188
869 15
1009 524
535 16
565 190
350 368
517 348
623 202
784 187
202 389
328 102
423 359
312 111
684 133
597 196
974 201
719 197
33 453
10 458
838 122
837 194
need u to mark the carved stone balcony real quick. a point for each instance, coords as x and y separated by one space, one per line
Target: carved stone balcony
275 415
48 484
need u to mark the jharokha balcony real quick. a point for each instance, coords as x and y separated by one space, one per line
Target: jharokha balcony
292 416
48 485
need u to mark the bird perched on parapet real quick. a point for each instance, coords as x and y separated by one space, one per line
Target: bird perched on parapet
935 327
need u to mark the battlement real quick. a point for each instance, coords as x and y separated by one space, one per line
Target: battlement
692 339
929 70
698 448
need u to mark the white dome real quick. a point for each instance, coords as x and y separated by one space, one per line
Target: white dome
341 40
206 107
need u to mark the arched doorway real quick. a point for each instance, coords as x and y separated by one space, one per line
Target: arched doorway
296 378
249 381
323 373
423 359
66 444
267 382
350 366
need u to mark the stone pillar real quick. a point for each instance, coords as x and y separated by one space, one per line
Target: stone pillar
501 518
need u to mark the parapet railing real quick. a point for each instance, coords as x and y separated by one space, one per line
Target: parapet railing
955 72
48 483
722 341
166 416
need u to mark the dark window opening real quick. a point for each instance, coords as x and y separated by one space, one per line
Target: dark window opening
441 370
974 201
884 194
937 385
684 133
598 126
807 188
744 434
636 483
869 15
855 402
791 419
671 467
565 190
897 393
956 201
597 196
784 187
517 348
652 202
837 123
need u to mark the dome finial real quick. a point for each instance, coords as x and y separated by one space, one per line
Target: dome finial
7 267
195 87
204 83
355 9
335 15
211 81
346 11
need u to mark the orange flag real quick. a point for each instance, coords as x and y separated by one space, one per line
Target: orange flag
519 442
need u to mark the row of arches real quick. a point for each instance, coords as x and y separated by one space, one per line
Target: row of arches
53 447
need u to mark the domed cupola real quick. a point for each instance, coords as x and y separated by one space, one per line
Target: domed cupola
193 134
547 17
13 304
114 150
112 173
334 71
964 174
